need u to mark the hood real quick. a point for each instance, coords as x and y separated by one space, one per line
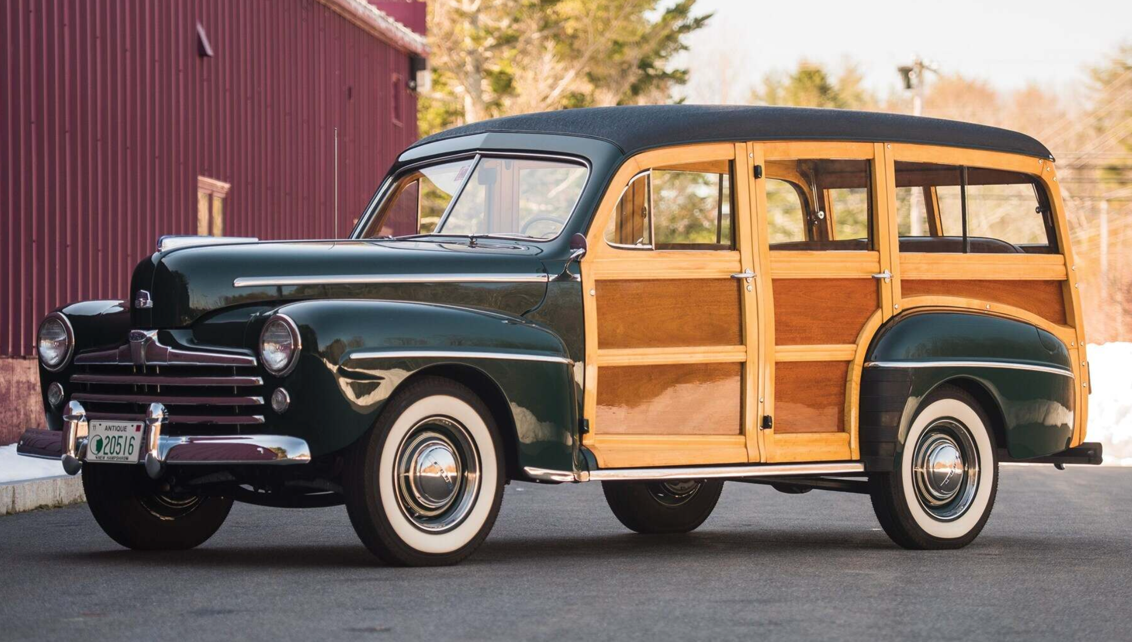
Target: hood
191 282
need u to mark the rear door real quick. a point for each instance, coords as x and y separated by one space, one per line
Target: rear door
818 209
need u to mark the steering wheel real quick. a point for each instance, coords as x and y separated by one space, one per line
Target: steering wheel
539 219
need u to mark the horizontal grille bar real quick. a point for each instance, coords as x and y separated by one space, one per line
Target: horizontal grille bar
163 380
167 399
180 419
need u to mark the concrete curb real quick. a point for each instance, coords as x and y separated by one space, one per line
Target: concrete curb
52 492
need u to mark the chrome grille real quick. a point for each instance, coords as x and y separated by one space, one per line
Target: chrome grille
197 388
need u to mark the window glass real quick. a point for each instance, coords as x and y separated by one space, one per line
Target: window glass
502 196
785 212
1005 212
818 204
676 208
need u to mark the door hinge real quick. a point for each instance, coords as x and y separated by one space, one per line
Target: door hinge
758 171
768 422
583 426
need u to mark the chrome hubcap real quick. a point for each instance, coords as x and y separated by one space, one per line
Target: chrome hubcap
945 469
675 493
437 474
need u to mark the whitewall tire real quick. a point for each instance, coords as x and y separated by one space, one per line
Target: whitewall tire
424 486
943 487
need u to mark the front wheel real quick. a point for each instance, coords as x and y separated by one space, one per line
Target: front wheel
424 486
662 507
135 512
942 491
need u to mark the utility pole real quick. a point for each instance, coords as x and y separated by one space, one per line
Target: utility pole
913 77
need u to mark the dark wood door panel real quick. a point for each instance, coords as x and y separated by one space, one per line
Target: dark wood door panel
821 311
809 396
668 313
1043 298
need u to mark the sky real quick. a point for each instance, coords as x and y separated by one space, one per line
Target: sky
1008 43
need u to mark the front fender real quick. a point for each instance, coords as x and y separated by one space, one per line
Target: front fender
356 354
1023 373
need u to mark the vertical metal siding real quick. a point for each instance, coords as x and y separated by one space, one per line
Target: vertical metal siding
108 116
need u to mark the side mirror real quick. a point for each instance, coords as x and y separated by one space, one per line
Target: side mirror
578 248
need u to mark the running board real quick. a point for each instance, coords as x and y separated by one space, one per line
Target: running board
697 472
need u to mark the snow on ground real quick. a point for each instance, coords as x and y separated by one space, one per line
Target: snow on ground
1110 404
14 468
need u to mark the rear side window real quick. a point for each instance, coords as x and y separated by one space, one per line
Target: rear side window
676 208
818 204
950 208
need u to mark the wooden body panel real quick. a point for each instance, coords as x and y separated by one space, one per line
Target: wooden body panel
680 399
668 313
807 317
821 311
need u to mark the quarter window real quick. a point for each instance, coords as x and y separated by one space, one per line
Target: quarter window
683 207
1006 212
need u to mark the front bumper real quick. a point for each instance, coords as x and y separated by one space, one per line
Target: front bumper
69 445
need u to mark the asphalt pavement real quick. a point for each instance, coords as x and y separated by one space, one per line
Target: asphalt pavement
1054 563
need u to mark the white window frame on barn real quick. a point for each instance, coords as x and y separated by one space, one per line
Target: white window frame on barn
210 206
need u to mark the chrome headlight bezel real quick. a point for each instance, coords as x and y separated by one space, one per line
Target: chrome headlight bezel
70 339
292 329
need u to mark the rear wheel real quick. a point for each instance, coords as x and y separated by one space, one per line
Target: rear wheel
943 488
135 512
662 507
424 486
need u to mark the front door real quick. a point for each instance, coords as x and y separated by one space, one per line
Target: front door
818 209
670 313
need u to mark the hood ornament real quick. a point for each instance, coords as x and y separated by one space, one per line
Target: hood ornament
143 301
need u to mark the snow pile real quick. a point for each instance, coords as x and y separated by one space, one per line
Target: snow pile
15 468
1110 405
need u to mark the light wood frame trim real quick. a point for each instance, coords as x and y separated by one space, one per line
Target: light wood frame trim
671 356
634 451
833 352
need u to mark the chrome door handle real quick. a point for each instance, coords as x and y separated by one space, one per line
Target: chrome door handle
744 275
886 275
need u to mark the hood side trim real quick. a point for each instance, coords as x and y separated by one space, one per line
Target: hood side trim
345 279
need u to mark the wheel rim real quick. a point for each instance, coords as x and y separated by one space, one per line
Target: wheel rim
169 507
437 474
675 493
945 469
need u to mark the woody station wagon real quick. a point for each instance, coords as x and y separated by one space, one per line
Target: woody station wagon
658 298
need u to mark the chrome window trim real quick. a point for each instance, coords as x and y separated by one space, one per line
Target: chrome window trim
387 185
70 341
430 354
360 279
1007 365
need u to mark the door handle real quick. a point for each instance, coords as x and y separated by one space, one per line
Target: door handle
886 275
744 275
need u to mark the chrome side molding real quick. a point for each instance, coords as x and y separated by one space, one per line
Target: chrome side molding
461 354
1010 365
697 472
364 279
174 241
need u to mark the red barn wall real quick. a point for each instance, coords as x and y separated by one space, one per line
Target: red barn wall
108 116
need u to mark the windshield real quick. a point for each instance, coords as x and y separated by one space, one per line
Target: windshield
482 196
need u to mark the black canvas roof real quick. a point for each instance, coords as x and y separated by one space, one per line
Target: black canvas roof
634 128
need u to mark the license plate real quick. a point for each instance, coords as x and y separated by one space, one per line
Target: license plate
114 441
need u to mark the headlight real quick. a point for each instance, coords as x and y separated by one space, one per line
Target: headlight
55 341
279 345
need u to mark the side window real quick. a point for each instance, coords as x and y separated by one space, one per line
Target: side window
682 207
819 204
1006 212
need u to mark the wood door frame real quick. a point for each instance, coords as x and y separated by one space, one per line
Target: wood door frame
604 262
820 264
